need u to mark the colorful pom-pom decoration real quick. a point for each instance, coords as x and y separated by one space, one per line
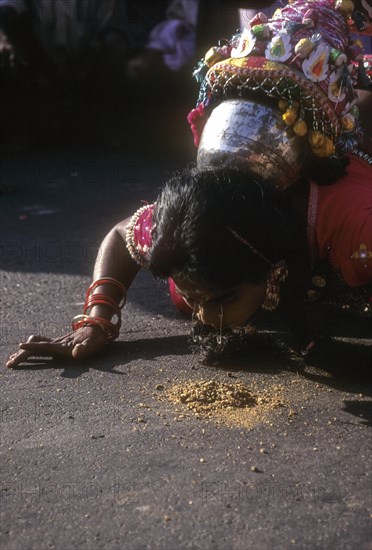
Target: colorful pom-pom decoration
348 122
300 127
290 116
316 138
324 150
345 7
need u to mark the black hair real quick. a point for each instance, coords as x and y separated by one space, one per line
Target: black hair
324 171
198 216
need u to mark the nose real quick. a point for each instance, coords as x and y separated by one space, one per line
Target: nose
209 315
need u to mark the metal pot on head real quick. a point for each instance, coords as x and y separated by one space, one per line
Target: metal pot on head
251 135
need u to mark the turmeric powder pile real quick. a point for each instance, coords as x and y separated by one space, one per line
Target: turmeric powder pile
228 403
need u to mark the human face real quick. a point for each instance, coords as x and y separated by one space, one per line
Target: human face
238 303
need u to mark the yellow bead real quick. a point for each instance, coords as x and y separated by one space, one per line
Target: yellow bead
325 150
300 127
348 122
316 139
346 7
304 47
212 56
329 147
290 116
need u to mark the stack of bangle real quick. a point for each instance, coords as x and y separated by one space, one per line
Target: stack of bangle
109 328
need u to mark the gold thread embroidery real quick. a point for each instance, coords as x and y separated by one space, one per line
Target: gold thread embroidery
362 254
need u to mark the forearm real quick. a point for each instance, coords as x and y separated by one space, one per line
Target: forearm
113 259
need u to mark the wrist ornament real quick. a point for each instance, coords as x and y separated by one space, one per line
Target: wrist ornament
109 327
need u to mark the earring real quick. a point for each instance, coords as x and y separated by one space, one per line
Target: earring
277 275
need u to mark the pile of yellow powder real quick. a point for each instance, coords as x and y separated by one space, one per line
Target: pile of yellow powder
229 403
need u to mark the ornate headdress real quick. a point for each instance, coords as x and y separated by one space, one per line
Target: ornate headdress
302 58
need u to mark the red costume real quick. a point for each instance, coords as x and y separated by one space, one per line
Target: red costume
340 223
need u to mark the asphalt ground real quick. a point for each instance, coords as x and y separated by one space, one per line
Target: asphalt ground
95 456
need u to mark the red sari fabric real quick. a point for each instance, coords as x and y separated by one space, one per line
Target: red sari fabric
177 300
340 223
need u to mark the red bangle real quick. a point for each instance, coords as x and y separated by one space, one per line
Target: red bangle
108 280
102 299
110 331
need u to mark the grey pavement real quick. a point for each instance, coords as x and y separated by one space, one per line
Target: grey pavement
93 456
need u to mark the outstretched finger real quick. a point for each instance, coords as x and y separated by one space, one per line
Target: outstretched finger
17 358
48 349
22 355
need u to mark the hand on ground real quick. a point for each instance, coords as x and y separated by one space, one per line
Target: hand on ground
85 342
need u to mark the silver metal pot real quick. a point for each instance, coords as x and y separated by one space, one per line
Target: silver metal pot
251 135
